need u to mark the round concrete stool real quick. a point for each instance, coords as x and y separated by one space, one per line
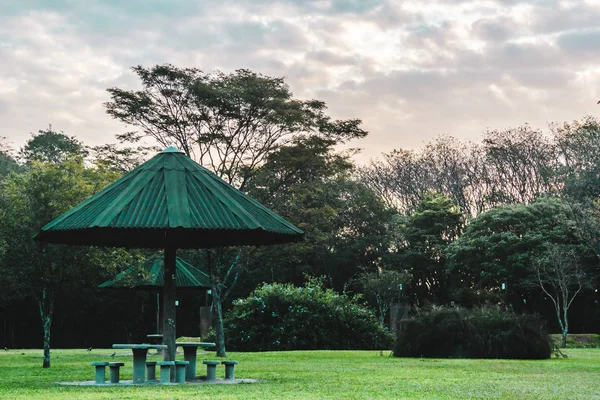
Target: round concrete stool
165 370
151 370
100 371
211 369
229 365
180 367
115 371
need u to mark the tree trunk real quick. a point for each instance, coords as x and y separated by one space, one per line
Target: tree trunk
563 343
169 310
46 305
215 288
216 291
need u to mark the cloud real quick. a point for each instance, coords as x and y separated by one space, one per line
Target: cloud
411 70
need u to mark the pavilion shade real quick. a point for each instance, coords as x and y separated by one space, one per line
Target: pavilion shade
169 200
187 277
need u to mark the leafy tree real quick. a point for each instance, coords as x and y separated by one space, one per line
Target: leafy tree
120 159
382 287
499 245
7 162
231 123
578 147
561 278
51 146
29 201
423 238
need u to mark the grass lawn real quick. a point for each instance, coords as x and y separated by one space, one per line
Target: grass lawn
317 375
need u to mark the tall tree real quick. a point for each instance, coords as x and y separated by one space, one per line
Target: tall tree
230 123
51 146
7 161
509 166
382 287
578 149
227 122
29 201
499 245
561 278
423 238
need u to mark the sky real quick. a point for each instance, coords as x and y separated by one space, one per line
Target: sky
410 70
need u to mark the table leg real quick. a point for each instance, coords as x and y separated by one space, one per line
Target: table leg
139 365
189 354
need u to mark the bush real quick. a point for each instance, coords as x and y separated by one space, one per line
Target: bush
484 333
285 317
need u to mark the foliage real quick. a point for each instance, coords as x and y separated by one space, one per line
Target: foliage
515 165
7 162
346 232
483 333
120 159
229 122
29 201
500 245
382 287
51 146
579 148
423 237
284 317
561 278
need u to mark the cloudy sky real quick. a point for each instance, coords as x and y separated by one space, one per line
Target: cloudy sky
410 69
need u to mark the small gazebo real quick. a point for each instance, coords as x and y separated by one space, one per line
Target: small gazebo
150 276
169 202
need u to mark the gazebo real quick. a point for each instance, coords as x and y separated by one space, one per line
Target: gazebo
169 202
150 277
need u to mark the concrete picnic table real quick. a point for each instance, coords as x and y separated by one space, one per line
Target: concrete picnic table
189 354
139 358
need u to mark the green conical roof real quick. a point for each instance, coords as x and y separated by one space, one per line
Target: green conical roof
187 276
169 201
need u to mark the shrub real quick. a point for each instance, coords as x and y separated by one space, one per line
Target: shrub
483 333
285 317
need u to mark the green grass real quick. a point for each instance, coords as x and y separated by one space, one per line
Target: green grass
319 375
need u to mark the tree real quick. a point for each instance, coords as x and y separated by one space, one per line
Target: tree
29 201
7 162
51 146
383 287
499 245
230 123
120 159
423 238
522 163
509 166
561 278
578 148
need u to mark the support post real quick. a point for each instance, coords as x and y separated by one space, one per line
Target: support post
169 310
